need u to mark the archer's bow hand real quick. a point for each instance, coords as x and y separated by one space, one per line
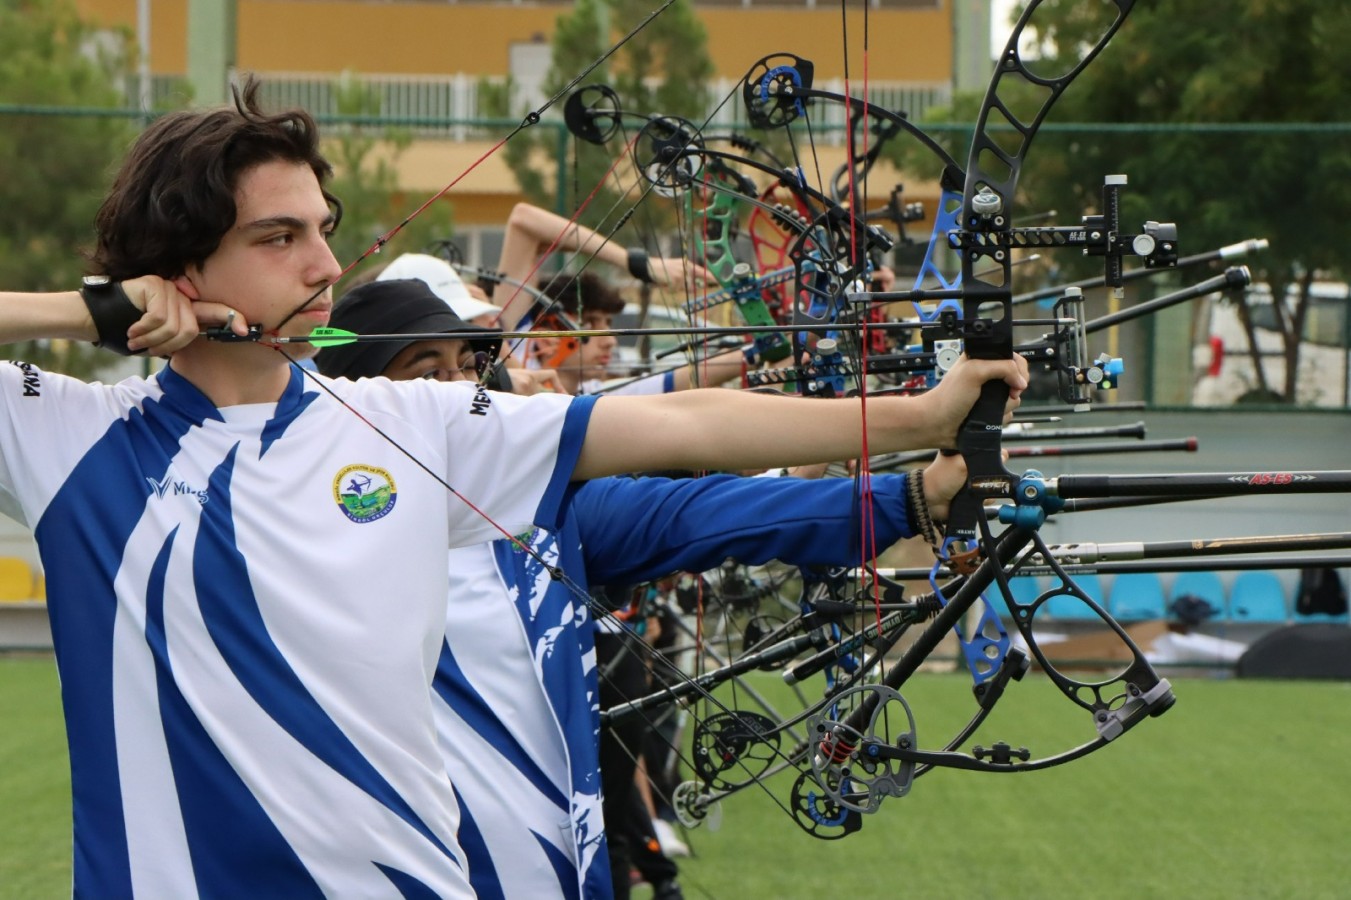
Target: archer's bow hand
672 271
951 401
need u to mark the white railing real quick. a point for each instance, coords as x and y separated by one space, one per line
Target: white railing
427 101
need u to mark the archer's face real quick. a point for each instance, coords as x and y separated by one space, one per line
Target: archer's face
596 352
276 257
437 360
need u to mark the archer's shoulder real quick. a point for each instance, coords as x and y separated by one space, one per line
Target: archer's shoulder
25 381
441 399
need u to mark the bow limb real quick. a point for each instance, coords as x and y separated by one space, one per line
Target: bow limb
712 225
992 173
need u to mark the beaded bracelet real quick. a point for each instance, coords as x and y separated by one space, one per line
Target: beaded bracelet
919 507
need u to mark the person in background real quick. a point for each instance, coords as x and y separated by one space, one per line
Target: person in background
467 300
532 232
594 304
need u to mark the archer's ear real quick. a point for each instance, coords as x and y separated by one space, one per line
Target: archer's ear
186 287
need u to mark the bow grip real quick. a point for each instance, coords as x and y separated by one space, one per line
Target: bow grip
979 441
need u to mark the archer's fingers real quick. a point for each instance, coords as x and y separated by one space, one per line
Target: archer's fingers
167 324
217 315
528 382
549 381
1012 372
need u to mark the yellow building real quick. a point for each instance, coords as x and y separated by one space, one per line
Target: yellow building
431 56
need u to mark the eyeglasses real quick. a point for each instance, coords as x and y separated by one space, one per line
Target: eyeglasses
471 368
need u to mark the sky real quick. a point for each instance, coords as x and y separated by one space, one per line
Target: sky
1000 11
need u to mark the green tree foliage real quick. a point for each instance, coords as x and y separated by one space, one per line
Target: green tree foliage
1186 67
57 167
365 178
664 69
1192 64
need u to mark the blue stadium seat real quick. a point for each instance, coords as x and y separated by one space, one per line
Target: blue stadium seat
1201 585
1257 596
1025 588
1063 607
1136 596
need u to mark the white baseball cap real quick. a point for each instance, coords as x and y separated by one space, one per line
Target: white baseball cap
444 281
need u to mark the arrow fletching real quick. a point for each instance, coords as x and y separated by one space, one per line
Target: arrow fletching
331 337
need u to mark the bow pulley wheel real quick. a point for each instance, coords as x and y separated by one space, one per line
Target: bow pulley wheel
850 776
693 806
592 113
817 813
742 743
669 153
772 90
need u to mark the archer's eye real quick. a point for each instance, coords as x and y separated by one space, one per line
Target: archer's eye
474 365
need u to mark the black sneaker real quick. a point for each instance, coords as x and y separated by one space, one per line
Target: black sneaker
667 890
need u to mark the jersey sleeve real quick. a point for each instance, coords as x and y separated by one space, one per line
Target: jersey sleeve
511 457
636 530
48 422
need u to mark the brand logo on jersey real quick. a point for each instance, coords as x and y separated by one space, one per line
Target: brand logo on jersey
168 487
32 381
364 493
479 405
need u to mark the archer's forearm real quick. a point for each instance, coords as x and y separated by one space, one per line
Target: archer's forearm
531 232
732 430
713 371
28 317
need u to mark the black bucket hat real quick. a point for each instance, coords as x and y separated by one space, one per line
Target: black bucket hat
393 307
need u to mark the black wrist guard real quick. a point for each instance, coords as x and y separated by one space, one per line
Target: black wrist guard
638 266
112 311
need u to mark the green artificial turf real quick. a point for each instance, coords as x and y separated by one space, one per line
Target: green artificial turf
35 854
1241 790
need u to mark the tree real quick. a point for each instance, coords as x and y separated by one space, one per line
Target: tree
664 69
56 167
1189 65
365 166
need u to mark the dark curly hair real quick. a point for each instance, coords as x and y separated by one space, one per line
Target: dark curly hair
583 293
174 198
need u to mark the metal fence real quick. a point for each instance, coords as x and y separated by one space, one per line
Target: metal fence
456 98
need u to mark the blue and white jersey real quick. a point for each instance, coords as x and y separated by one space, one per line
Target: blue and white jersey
519 725
516 690
248 605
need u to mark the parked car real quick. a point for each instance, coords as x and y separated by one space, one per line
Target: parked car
1222 355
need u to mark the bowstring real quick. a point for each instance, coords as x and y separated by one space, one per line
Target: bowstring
599 612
